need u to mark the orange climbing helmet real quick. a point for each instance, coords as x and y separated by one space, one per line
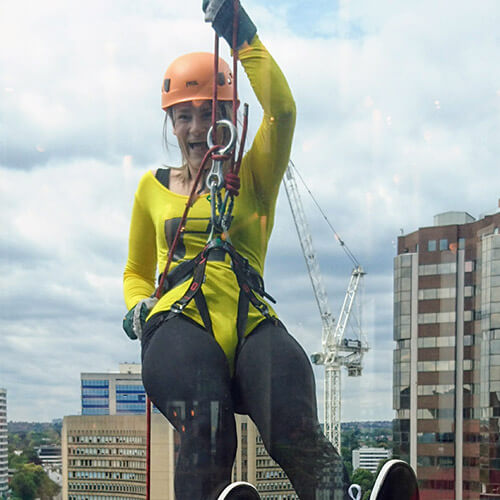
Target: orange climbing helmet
190 78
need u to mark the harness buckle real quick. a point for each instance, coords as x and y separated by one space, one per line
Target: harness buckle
177 308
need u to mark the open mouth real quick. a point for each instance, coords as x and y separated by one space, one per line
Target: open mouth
198 146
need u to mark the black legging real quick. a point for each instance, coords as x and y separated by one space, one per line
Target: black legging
186 375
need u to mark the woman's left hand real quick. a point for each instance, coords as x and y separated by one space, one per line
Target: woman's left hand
221 14
134 321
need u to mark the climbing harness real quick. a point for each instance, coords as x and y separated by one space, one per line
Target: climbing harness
249 281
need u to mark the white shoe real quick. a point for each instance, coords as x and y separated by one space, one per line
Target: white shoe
240 490
396 481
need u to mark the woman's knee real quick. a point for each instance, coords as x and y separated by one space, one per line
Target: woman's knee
187 377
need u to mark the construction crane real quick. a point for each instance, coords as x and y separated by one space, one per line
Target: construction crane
337 351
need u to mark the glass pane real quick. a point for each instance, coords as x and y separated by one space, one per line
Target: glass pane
389 115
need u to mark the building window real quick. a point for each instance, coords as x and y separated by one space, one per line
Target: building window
461 243
468 364
469 266
440 317
436 293
443 268
95 383
431 245
443 244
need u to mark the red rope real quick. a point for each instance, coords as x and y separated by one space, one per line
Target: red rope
236 5
214 91
192 197
148 448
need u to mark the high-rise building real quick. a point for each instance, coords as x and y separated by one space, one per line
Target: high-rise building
447 358
104 449
104 457
369 458
50 457
253 464
4 467
113 393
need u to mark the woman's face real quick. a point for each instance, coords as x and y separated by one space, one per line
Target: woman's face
191 123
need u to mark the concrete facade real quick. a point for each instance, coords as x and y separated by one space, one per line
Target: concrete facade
104 457
253 464
446 389
113 406
369 458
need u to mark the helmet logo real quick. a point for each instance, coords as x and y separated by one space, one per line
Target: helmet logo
191 83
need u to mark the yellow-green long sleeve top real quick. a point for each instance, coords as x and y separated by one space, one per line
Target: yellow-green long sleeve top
157 211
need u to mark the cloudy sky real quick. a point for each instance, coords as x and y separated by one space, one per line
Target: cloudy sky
398 119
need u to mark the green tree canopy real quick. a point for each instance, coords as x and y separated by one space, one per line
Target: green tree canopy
365 479
31 482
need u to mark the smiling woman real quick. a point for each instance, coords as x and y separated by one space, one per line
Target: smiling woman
187 94
225 351
214 347
190 122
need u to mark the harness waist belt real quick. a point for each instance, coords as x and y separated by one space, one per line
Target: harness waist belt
249 281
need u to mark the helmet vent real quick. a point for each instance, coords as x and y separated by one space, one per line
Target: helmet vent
221 80
166 84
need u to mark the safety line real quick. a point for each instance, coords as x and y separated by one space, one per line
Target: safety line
192 199
337 236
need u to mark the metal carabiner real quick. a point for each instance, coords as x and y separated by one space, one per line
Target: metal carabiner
215 176
232 129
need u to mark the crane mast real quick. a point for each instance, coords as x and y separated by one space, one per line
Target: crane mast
336 351
312 263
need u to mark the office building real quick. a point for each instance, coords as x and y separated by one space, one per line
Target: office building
50 457
104 457
113 404
115 393
369 458
4 466
447 358
253 464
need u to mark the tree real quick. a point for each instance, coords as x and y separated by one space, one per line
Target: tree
31 482
365 479
23 484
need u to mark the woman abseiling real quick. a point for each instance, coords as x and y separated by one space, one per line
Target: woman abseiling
197 374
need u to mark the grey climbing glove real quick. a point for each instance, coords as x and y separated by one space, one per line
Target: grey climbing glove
135 320
221 13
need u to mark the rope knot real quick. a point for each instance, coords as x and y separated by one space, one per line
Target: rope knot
232 183
220 157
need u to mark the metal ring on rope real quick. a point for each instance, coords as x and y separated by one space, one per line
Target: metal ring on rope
232 140
215 177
